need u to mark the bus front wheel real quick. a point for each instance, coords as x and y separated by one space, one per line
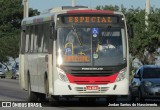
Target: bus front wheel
54 101
112 99
32 96
44 97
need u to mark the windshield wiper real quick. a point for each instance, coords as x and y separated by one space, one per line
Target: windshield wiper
75 31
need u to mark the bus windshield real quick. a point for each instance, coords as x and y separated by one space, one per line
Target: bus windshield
98 46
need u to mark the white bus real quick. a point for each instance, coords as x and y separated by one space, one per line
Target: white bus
75 52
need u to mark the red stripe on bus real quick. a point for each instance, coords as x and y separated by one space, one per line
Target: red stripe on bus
91 79
89 12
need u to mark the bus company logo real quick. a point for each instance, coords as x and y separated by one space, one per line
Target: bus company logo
92 69
6 104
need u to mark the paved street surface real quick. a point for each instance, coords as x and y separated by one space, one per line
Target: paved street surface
10 91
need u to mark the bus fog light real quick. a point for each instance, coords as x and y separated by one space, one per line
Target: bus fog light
62 75
121 75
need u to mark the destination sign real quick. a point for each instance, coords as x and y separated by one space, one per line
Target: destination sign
76 59
90 19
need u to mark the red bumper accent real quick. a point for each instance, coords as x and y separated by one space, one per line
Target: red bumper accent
92 80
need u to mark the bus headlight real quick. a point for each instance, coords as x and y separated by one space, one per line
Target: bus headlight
121 75
59 60
62 75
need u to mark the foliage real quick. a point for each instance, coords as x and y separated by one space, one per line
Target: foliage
10 25
145 37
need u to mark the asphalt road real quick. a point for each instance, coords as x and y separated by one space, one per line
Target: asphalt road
10 91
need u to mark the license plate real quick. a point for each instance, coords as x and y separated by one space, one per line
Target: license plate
91 88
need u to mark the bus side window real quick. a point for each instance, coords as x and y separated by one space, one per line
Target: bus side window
46 37
40 37
35 46
23 42
31 39
27 40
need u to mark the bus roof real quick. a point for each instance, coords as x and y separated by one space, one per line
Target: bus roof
64 8
37 19
49 15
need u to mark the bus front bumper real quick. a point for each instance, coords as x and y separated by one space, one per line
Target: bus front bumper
117 88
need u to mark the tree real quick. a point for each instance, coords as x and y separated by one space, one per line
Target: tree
10 25
142 39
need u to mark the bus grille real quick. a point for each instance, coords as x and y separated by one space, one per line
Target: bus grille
92 73
93 82
83 90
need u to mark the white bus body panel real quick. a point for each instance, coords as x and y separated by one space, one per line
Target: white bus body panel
42 70
21 71
32 69
50 74
36 67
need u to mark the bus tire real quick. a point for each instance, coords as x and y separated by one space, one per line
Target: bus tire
44 97
32 96
83 100
133 99
91 100
112 99
46 87
87 100
54 101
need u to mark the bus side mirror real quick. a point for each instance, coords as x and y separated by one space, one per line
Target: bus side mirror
130 30
23 28
53 34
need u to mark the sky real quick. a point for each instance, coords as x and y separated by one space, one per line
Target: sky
43 5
